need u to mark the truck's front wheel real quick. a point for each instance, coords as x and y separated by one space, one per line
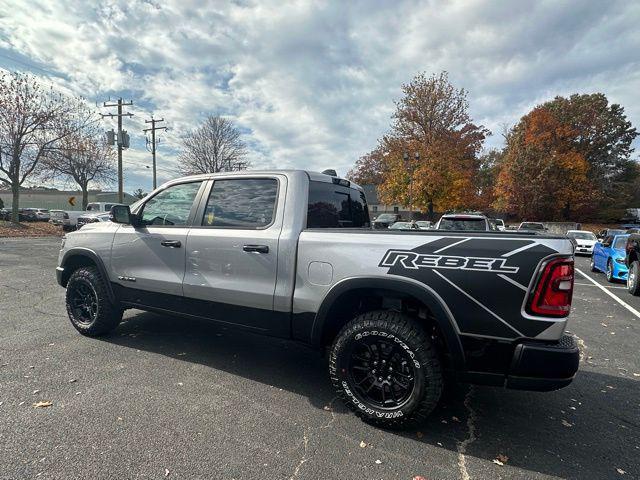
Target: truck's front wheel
88 305
385 369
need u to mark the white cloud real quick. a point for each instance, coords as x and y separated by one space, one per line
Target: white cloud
313 83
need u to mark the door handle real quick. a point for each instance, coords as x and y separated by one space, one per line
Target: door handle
171 243
256 248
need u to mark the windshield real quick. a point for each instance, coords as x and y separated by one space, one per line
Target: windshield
531 226
386 217
581 235
619 243
400 225
462 224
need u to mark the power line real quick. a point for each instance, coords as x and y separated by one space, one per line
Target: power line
153 143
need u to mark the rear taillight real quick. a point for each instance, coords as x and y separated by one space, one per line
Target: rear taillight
553 292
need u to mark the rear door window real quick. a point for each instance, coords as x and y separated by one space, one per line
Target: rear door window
245 203
336 206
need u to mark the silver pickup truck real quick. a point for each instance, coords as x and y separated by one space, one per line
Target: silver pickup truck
292 254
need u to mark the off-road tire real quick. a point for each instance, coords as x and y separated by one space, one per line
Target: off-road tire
107 316
633 278
412 338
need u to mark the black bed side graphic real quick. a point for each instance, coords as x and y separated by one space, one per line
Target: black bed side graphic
483 281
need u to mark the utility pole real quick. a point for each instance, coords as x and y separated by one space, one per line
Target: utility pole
122 138
153 143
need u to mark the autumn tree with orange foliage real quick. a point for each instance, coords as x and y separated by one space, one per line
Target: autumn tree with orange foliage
568 159
431 119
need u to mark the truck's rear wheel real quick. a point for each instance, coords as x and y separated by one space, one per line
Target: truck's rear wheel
633 278
385 369
88 305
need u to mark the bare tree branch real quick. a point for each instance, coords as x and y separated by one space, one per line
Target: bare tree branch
215 146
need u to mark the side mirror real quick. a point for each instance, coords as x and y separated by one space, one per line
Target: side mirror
122 214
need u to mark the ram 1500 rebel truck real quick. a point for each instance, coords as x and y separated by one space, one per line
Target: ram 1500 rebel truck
292 254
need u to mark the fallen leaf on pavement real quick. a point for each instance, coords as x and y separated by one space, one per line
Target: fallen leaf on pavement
603 324
327 408
419 434
419 477
166 472
73 380
497 462
620 471
36 391
502 458
455 419
636 374
566 424
363 444
42 404
378 462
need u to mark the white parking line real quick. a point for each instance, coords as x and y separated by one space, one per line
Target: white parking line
621 302
590 285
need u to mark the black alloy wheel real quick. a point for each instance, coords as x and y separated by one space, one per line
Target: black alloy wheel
91 310
385 368
382 372
83 302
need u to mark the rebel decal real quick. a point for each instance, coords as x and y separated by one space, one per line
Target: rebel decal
412 260
481 304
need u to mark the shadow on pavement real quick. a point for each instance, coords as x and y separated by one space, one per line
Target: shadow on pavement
587 430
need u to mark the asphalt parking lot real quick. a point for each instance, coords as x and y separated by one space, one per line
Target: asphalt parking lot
167 397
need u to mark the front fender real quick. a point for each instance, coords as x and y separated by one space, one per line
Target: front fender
77 256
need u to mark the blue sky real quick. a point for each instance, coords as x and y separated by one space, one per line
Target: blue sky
312 84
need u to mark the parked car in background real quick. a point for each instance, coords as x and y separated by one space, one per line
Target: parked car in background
532 226
101 206
632 261
5 214
42 214
385 220
92 218
27 215
583 241
404 226
609 231
68 220
609 257
424 224
463 222
499 224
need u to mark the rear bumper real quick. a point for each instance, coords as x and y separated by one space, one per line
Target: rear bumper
543 367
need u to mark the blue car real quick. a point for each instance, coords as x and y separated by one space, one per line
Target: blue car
608 257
